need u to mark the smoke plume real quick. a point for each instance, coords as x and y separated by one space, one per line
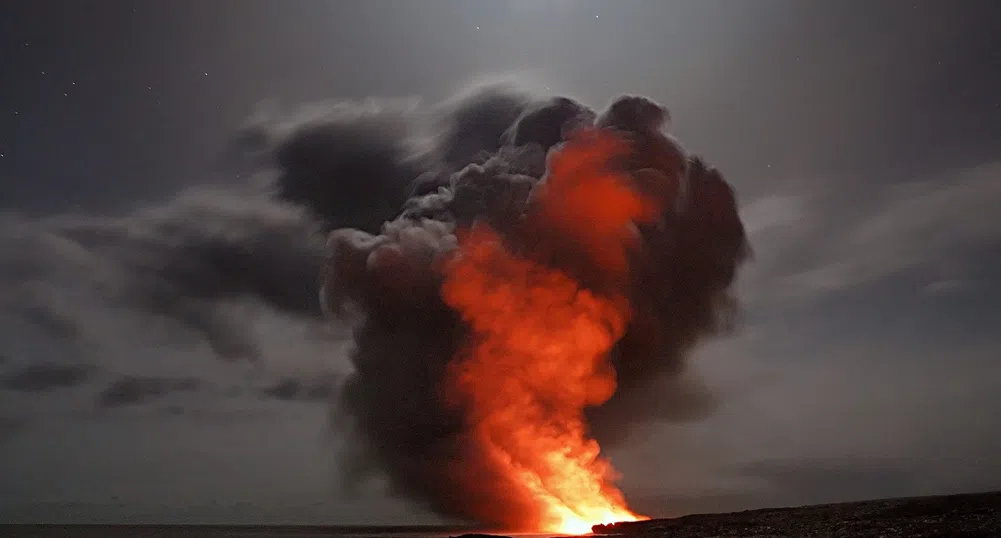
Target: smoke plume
673 268
398 190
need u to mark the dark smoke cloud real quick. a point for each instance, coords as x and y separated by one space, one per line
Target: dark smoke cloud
406 334
350 164
178 262
168 276
175 277
102 292
471 125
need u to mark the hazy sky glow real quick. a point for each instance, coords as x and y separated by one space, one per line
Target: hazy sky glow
862 138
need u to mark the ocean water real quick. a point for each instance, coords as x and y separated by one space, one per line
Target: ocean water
238 531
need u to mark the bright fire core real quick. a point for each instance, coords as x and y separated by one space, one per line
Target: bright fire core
538 354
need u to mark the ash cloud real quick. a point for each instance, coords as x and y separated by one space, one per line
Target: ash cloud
349 164
175 264
406 335
180 275
357 204
227 273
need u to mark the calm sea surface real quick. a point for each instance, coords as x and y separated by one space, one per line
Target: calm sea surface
241 531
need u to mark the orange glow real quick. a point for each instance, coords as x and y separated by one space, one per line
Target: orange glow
537 355
586 199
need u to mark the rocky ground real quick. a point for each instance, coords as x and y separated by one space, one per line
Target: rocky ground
959 516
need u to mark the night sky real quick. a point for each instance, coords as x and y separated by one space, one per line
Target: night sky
864 140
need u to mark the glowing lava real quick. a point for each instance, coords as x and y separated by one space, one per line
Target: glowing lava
538 351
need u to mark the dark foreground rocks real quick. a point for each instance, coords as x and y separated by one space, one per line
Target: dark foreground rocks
959 516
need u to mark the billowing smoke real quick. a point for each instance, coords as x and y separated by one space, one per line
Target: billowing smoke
406 337
390 184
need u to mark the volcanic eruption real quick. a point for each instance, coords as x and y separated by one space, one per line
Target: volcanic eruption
508 318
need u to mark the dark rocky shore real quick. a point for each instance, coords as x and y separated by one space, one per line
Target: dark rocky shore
960 516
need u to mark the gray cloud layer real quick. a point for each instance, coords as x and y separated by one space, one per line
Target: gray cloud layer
817 237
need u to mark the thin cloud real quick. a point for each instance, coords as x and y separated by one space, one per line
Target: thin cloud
818 239
319 389
44 376
131 390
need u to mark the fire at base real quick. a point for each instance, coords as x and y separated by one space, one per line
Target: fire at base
536 361
539 340
551 265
